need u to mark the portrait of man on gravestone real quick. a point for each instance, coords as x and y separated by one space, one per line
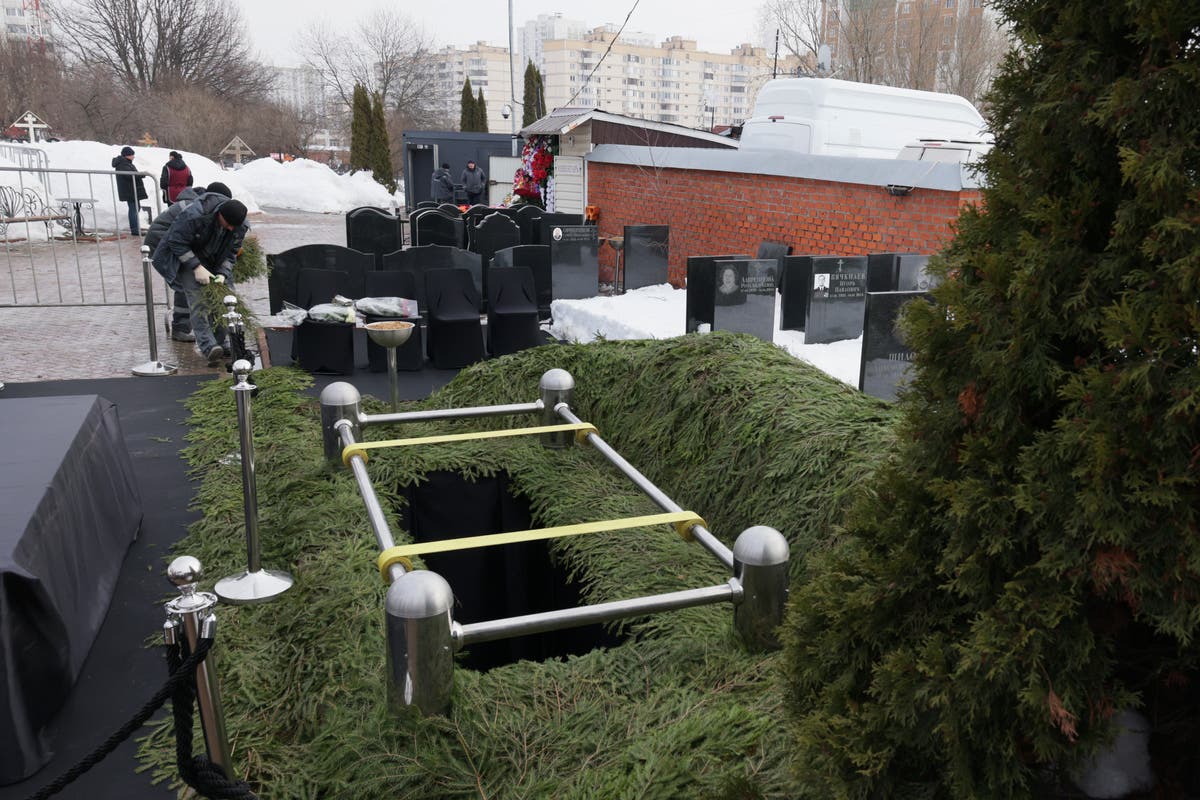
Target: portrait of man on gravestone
729 287
821 282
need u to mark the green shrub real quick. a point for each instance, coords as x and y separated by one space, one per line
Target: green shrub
1027 564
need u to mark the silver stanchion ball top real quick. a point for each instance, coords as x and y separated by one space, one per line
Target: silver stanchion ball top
760 546
556 380
419 595
241 370
145 249
340 393
230 300
185 570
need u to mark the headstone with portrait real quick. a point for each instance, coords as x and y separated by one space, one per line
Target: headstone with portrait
646 250
744 296
912 274
701 281
886 358
836 300
574 261
548 221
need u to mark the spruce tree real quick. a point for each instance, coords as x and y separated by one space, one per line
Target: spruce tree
360 129
534 107
381 146
1028 564
481 121
466 115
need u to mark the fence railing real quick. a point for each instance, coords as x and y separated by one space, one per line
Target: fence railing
64 237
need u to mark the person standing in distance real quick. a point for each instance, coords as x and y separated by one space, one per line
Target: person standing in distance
176 176
130 189
474 181
199 247
442 185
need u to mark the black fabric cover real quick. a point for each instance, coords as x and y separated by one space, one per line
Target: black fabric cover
284 276
416 260
373 230
434 227
69 509
537 258
512 311
410 355
455 333
495 232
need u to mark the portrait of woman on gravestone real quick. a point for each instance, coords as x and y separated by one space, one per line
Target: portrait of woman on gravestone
729 288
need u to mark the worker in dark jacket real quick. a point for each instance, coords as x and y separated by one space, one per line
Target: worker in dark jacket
474 181
442 185
130 189
176 176
181 318
200 247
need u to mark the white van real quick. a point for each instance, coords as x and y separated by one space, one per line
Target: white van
845 118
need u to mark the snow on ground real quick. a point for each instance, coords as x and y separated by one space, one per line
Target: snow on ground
658 312
306 185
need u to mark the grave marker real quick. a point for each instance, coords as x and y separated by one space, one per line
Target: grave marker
646 249
837 296
744 296
701 282
574 261
885 359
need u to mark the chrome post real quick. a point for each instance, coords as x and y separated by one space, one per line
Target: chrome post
339 401
420 651
233 321
255 584
191 615
153 366
557 387
760 564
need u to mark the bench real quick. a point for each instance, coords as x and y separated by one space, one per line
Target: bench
18 206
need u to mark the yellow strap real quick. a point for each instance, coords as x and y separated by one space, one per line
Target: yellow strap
683 521
359 449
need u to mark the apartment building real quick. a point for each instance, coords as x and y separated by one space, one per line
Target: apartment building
488 68
670 82
26 19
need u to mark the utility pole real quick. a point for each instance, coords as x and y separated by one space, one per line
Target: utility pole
512 79
774 66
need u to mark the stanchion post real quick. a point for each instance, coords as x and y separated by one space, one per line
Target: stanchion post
255 584
153 366
190 618
234 325
760 564
419 642
557 386
339 401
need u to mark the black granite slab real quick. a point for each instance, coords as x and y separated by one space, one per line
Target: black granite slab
574 260
372 230
836 300
645 257
744 296
434 227
796 280
911 273
701 281
886 359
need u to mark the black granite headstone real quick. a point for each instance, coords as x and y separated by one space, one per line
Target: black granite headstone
796 280
885 358
537 258
646 250
527 217
284 275
574 261
449 209
434 227
881 272
744 297
495 232
371 230
911 275
836 299
701 281
418 260
547 222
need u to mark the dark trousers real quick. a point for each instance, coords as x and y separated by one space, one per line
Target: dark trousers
474 197
181 317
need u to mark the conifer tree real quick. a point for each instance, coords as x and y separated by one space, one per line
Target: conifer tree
466 115
360 129
481 121
1028 565
381 146
534 100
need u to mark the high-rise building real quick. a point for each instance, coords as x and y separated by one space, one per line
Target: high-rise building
302 89
488 68
26 19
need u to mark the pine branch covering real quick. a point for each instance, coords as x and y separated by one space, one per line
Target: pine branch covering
727 425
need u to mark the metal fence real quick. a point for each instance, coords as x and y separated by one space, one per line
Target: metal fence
64 235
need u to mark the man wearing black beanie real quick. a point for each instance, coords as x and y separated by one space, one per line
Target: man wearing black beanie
200 247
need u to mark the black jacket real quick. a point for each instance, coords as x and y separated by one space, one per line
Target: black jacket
442 186
162 223
196 238
125 190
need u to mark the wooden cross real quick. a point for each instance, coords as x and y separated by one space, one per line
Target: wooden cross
32 126
147 140
237 148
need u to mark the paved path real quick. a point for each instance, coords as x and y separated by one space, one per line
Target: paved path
65 342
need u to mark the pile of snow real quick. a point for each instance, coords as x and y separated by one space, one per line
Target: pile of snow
306 185
659 312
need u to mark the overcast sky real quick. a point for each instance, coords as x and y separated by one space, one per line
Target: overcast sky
716 25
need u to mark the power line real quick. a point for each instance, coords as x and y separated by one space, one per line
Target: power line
607 50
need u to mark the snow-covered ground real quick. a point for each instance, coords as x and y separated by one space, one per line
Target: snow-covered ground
658 312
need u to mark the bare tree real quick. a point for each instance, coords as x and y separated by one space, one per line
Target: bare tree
387 53
913 60
801 26
979 44
163 44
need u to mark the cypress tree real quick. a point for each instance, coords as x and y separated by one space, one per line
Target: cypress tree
381 147
481 121
466 115
1028 564
529 113
360 129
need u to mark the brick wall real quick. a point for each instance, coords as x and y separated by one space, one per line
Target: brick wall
724 212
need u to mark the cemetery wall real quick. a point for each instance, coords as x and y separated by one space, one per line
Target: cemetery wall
713 212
